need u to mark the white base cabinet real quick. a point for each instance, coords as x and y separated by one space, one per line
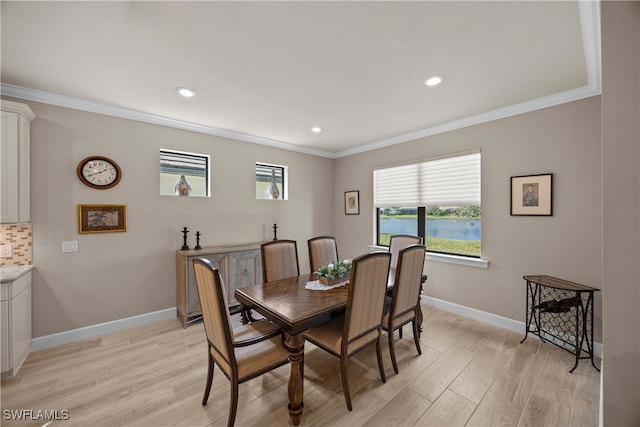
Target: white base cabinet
15 327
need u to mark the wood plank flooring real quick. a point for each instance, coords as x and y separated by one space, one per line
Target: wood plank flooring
469 374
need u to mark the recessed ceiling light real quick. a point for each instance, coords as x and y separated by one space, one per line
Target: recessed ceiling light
434 81
187 93
316 129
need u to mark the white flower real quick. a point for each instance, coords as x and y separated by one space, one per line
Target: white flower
330 266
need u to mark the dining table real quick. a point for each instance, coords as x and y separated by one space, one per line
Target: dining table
289 304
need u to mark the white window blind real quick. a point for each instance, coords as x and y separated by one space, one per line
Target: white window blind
396 186
450 181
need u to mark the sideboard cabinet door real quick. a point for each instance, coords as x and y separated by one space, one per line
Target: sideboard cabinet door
193 299
238 266
245 269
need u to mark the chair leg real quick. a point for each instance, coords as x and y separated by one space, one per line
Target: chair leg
392 350
416 335
207 388
345 381
400 332
380 365
233 405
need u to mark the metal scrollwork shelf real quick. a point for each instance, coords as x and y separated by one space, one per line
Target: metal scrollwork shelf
561 313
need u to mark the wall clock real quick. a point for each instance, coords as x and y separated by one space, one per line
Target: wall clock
99 172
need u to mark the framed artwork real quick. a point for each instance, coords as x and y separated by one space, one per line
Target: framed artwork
102 218
352 202
532 195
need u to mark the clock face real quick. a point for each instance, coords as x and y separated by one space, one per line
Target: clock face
99 172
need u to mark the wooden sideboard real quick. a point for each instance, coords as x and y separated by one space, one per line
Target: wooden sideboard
239 266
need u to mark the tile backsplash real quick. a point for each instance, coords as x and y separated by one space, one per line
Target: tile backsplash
19 236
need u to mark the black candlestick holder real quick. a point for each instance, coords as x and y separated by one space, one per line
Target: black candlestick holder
185 247
198 247
275 231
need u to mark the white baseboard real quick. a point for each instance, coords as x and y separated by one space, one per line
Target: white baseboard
490 318
93 331
47 341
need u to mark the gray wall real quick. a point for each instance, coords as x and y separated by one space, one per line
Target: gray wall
621 203
563 140
118 275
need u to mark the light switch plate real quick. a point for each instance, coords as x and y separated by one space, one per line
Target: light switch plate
70 246
6 251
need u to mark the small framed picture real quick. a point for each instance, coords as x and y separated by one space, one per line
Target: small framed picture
532 195
102 218
352 202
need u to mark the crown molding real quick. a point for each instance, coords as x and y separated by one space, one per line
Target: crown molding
501 113
18 108
590 23
35 95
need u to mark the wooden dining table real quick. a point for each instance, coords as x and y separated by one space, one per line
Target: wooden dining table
295 309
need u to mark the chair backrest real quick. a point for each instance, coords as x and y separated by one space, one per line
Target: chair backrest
367 292
279 260
322 251
215 315
399 241
406 287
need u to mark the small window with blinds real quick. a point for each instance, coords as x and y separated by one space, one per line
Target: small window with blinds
271 182
437 199
184 174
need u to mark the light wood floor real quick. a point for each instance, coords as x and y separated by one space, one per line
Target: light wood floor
469 374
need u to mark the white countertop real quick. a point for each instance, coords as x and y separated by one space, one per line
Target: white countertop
9 274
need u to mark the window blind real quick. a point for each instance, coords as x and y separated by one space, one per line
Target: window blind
183 163
450 181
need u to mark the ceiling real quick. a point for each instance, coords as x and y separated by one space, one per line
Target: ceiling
266 72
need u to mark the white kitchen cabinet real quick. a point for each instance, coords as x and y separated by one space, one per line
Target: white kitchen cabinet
15 315
15 193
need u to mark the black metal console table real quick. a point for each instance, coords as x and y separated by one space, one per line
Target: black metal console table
561 312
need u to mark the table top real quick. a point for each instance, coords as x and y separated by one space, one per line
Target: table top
287 302
554 282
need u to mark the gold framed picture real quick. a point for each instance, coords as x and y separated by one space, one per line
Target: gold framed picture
532 195
102 218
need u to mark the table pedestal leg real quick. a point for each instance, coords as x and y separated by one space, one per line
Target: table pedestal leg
295 347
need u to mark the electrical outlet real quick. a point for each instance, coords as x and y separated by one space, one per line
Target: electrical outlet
70 246
6 251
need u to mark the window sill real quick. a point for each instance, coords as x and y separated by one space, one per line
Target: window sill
452 259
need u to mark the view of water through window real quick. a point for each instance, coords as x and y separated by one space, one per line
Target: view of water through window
447 230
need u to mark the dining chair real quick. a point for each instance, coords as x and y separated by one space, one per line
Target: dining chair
404 304
322 251
279 260
243 353
399 241
361 325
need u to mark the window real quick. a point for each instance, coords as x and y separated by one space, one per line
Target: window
184 174
438 199
271 182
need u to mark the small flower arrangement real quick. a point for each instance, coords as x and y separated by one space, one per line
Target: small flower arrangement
334 271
